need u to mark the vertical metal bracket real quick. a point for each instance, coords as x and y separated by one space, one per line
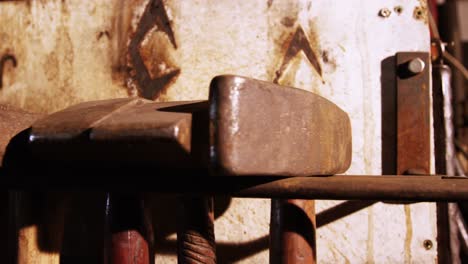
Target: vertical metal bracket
413 112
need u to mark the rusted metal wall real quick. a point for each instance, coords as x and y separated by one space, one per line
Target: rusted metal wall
58 53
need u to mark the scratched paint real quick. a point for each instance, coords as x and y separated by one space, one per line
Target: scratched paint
73 51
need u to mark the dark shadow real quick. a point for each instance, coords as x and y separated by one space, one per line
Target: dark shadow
297 221
289 222
83 235
164 218
225 252
389 122
80 216
199 149
230 252
439 121
75 224
195 107
340 211
17 155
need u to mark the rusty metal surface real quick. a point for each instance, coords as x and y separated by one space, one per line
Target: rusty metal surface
73 121
195 232
338 187
413 120
262 128
120 130
414 125
313 133
13 121
37 221
292 231
348 187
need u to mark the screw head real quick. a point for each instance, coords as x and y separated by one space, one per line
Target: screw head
385 12
398 9
416 66
427 244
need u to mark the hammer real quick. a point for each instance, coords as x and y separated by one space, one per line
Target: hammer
247 128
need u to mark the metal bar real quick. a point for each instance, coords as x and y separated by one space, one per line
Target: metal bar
338 187
400 188
413 119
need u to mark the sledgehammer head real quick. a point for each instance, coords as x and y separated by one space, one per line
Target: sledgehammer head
247 127
260 128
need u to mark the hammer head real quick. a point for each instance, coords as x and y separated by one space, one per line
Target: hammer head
247 127
260 128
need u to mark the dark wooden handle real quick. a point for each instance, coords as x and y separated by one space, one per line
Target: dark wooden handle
292 232
195 233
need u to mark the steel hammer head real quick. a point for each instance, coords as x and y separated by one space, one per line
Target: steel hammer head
260 128
247 127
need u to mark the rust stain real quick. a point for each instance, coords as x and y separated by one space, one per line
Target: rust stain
3 60
269 3
152 82
102 34
120 30
155 51
58 65
299 42
421 12
370 236
409 233
51 66
288 21
329 59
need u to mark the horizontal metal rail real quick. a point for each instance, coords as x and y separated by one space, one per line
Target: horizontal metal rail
337 187
398 188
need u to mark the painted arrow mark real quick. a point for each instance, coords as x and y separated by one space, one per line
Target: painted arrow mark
155 15
299 42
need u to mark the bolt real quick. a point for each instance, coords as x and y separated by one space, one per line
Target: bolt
416 66
385 12
418 13
427 244
398 9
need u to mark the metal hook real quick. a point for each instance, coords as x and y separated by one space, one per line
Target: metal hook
3 60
